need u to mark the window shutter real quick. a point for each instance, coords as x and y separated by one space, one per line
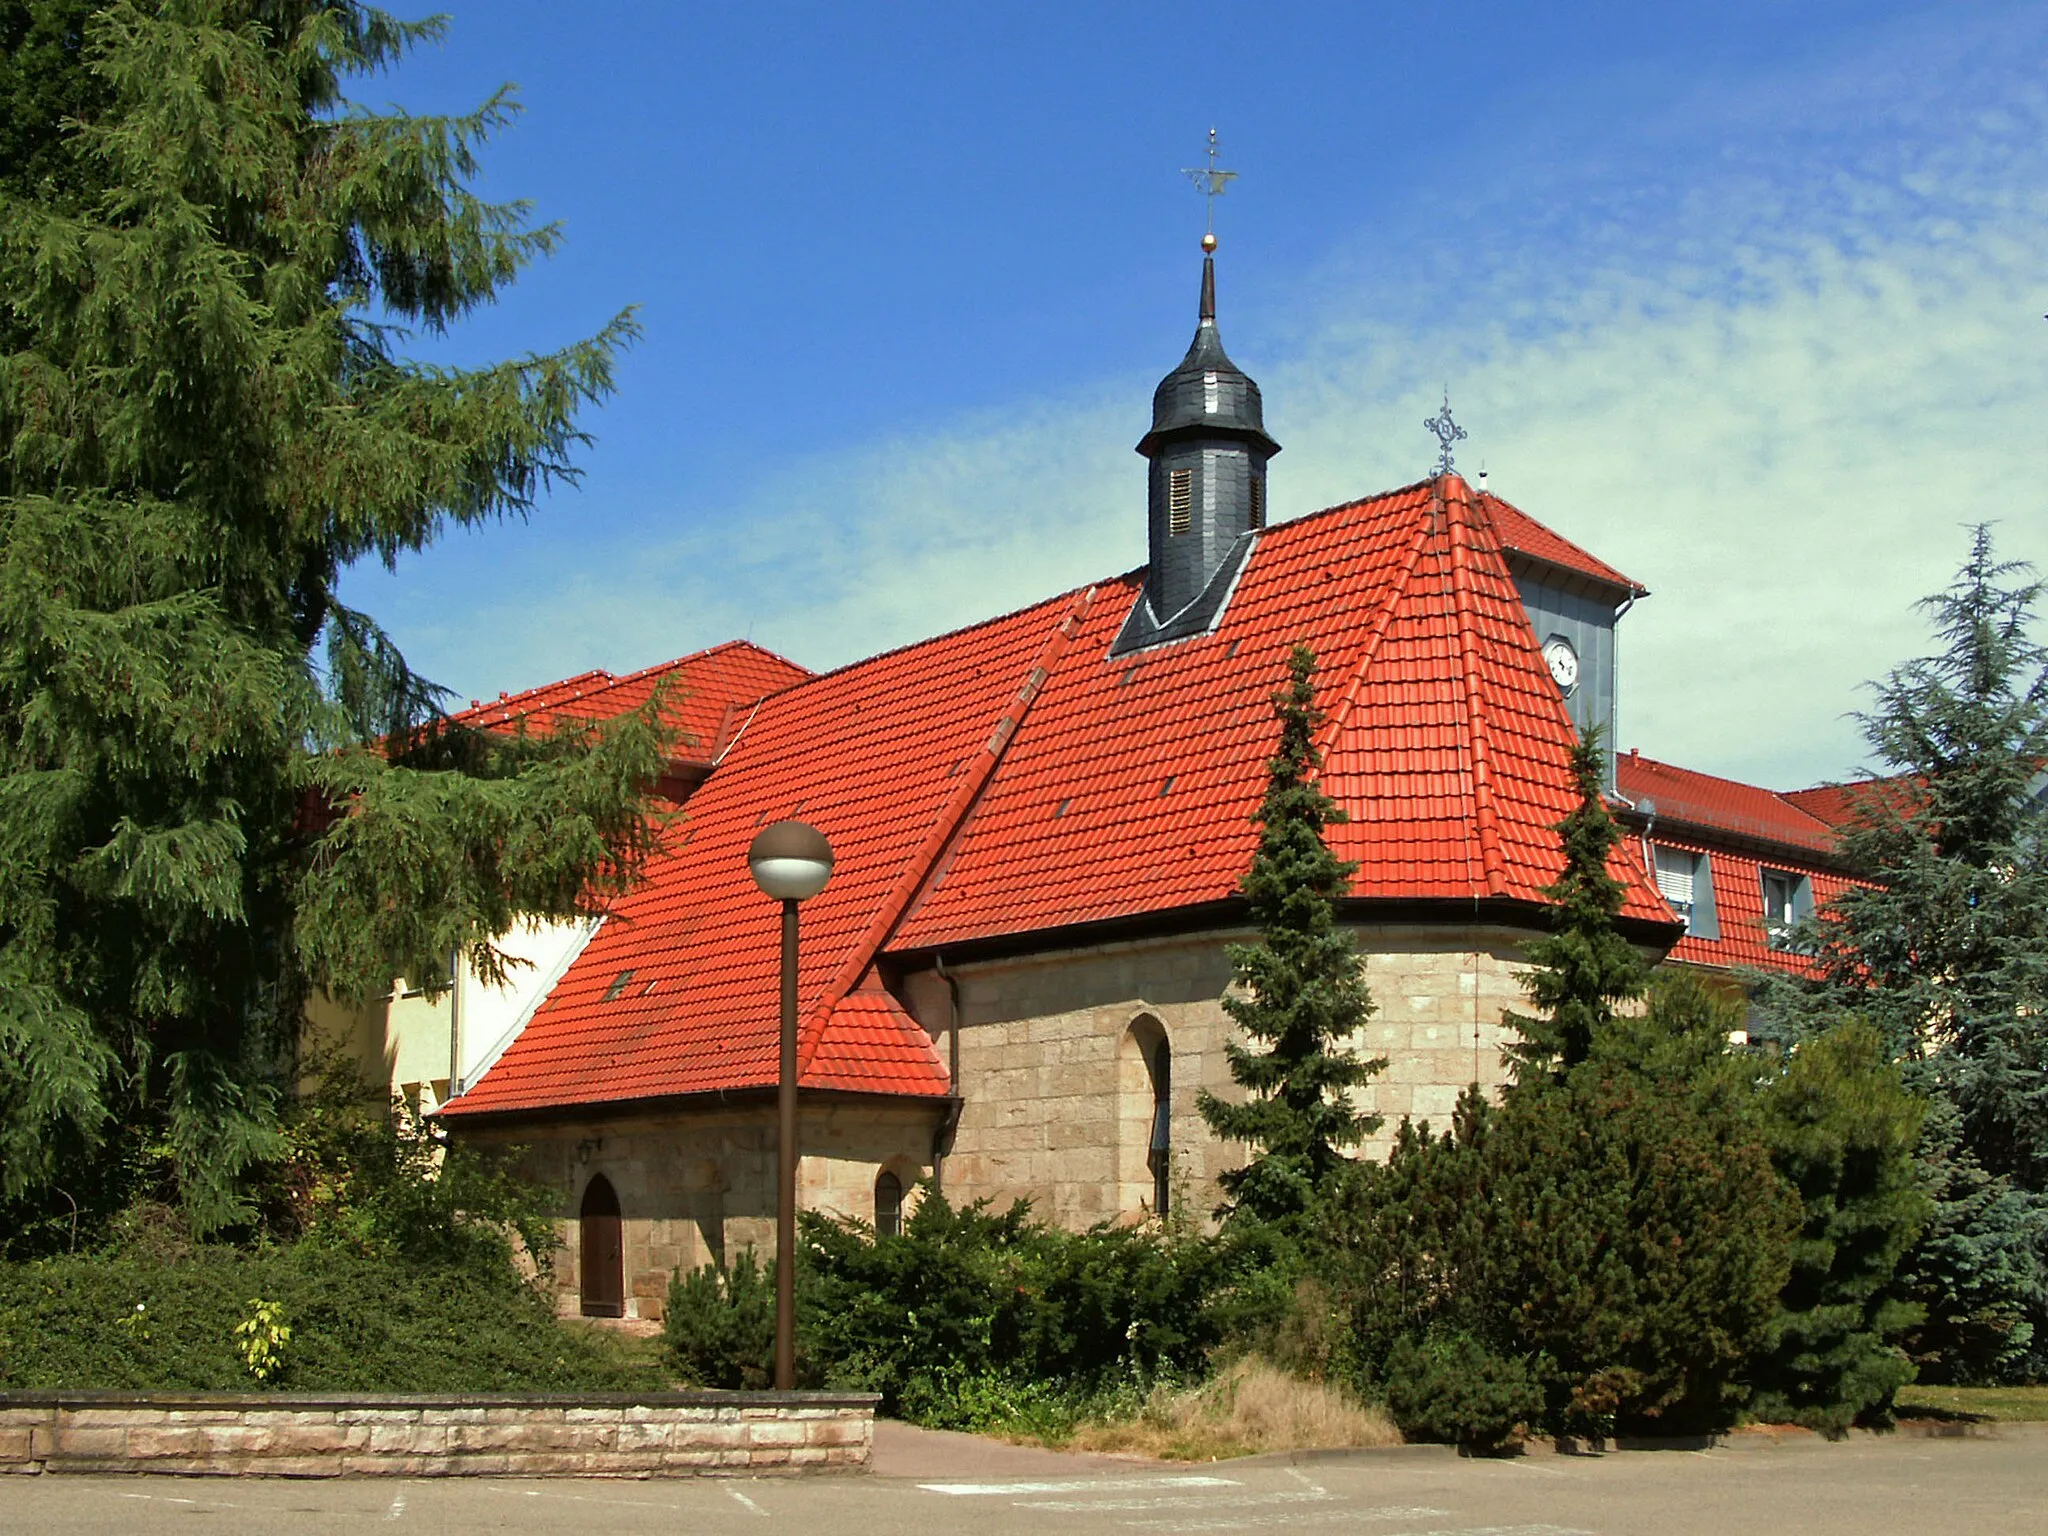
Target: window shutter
1675 876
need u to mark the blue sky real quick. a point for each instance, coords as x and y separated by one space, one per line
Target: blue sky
1746 297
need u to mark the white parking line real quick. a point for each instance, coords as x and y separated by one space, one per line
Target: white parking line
1077 1485
757 1509
397 1510
1195 1501
1252 1521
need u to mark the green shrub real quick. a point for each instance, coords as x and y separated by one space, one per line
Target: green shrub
1454 1389
965 1310
359 1323
719 1328
1609 1228
1843 1131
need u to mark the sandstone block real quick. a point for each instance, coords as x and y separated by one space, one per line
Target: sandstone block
15 1443
376 1415
692 1459
74 1441
836 1432
99 1418
148 1444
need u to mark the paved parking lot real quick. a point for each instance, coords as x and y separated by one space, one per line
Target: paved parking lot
1854 1489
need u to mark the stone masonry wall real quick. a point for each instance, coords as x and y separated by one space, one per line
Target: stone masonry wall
675 1434
1058 1100
699 1187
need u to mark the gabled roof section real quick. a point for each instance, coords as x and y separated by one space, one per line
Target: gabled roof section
1134 787
1520 534
1714 804
1015 779
884 757
710 693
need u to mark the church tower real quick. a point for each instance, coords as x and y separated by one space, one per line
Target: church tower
1207 495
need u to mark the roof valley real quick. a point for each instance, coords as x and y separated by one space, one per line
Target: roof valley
951 819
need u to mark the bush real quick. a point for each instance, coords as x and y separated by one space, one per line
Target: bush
142 1321
1626 1241
965 1306
1454 1389
719 1328
1843 1131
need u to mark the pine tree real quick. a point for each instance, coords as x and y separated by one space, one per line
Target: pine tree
1303 987
1945 952
1583 968
1842 1130
219 787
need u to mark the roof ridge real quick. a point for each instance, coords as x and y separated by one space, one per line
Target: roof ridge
713 650
918 869
1485 817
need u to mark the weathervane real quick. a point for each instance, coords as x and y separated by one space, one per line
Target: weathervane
1211 183
1447 432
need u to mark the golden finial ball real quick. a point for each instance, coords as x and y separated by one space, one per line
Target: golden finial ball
1209 243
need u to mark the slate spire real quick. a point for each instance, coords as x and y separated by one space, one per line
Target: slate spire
1207 493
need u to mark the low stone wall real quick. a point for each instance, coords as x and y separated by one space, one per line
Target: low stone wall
669 1434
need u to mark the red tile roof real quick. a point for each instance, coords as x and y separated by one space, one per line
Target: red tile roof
1704 800
1521 534
1013 778
710 695
1739 905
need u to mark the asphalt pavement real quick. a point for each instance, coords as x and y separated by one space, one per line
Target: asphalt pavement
946 1485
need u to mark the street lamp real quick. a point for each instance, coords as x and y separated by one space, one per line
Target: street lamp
791 861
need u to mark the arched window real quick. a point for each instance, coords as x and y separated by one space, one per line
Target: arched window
888 1204
603 1254
1159 1150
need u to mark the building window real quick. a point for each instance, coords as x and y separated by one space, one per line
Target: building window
888 1204
1788 900
1180 500
1686 880
1159 1151
1258 518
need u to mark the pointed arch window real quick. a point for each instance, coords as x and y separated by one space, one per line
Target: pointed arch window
888 1204
1159 1152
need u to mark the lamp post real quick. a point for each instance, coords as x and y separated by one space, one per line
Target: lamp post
791 861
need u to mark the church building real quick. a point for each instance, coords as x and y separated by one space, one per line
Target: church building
1010 985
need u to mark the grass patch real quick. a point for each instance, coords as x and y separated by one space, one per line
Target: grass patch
1998 1405
1249 1408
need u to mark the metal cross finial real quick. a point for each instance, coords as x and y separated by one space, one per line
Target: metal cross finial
1447 432
1211 183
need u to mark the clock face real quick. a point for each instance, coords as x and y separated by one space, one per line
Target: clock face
1564 662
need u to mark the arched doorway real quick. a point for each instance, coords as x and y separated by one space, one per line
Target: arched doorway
604 1270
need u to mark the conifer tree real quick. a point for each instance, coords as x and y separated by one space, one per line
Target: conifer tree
1945 952
219 787
1583 968
1304 992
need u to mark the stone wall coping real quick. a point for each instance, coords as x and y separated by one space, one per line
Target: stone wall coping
303 1402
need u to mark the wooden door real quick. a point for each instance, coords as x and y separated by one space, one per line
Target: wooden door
604 1268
